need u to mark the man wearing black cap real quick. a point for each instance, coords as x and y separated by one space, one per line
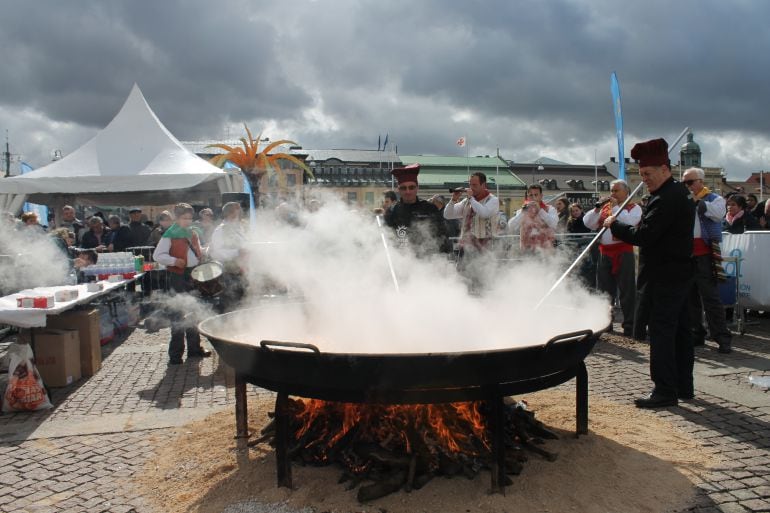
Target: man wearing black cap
140 232
418 223
666 272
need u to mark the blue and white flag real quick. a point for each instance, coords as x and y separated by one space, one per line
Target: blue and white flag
615 88
40 210
247 190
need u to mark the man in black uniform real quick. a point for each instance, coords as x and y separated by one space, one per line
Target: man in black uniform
418 223
665 274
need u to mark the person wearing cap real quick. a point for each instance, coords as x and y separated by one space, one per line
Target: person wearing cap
140 232
617 263
417 223
707 234
535 222
666 271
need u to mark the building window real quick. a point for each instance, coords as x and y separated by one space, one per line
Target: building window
291 180
369 198
352 197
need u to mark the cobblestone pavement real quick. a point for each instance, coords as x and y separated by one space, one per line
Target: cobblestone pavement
78 456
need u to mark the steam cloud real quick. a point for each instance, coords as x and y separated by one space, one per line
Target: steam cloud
29 259
336 263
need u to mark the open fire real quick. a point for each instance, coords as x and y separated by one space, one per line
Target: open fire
385 448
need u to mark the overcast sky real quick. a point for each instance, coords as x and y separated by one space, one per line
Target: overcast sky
531 78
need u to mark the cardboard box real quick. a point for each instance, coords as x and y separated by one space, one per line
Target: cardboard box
86 322
57 356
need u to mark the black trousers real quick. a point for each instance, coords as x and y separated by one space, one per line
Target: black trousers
623 284
705 297
234 285
181 325
672 354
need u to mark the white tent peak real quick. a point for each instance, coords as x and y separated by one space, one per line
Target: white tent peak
135 153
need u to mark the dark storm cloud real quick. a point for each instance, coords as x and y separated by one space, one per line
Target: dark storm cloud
531 78
189 58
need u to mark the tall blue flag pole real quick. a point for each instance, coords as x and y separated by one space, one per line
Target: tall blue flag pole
247 190
615 88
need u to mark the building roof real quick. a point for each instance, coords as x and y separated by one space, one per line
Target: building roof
347 156
440 171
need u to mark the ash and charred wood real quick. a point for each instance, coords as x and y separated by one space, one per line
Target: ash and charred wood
269 427
550 456
265 438
447 466
391 484
343 443
526 419
383 457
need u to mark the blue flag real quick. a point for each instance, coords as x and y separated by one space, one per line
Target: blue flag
615 88
247 190
379 142
40 210
385 144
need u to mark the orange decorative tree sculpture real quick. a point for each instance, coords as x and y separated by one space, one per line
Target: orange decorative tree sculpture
255 163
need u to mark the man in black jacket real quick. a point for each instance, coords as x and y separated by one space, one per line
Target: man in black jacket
140 232
665 274
418 223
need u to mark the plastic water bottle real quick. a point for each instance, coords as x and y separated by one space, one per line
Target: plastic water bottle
72 277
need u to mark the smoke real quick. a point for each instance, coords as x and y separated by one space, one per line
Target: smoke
335 261
29 258
188 308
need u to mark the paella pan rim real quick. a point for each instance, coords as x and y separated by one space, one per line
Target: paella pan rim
206 326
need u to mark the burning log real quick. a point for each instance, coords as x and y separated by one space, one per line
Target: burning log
383 448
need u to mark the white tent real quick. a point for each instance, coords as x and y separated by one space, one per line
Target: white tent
133 160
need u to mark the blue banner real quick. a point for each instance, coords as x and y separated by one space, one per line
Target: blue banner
247 190
615 88
40 210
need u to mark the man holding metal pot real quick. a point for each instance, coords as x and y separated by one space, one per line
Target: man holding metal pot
666 272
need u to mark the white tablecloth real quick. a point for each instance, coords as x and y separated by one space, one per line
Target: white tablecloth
36 317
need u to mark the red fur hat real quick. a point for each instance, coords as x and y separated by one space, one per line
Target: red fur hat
651 153
406 174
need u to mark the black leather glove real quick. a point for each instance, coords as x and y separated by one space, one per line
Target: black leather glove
700 206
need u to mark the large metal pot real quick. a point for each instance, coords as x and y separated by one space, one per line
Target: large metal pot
298 368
